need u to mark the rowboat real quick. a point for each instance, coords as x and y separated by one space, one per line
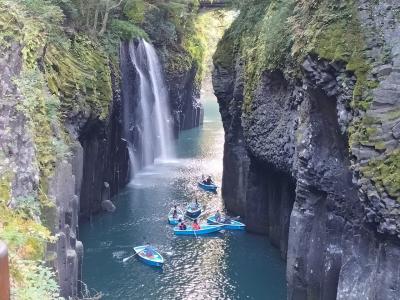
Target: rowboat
172 220
204 229
228 224
150 256
208 187
193 211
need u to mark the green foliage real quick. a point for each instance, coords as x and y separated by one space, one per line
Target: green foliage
135 10
28 206
209 28
261 37
39 282
44 10
277 34
26 239
125 30
172 26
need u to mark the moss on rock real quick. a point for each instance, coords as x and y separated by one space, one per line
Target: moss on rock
80 76
384 172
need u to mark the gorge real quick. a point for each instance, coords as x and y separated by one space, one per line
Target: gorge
95 93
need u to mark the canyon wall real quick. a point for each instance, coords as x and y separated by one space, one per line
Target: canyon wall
310 112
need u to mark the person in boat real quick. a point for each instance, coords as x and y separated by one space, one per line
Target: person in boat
148 251
196 204
182 225
175 212
208 181
218 217
195 225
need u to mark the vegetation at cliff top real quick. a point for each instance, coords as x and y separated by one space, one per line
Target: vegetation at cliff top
277 34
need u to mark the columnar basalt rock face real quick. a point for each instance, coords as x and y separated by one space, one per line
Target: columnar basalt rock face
293 155
105 159
65 214
184 99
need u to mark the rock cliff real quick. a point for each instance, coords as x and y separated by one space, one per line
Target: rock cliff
308 94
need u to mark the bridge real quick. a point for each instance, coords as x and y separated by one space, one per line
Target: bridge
207 4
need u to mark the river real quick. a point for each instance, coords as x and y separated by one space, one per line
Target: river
227 265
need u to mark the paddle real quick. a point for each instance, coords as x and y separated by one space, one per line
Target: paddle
195 235
129 257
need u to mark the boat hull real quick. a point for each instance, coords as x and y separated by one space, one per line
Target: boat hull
204 229
208 187
156 261
234 225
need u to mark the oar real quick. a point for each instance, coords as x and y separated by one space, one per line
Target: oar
129 257
195 235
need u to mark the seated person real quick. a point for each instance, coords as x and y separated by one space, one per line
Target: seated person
148 252
182 225
218 217
195 225
209 180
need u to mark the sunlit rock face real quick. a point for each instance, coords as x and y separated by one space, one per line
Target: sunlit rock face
294 169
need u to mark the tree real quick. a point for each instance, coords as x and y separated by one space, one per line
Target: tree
109 6
97 12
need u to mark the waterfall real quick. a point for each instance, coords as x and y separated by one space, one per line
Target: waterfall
152 138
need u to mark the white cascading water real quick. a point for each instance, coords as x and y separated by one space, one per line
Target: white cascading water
162 112
157 137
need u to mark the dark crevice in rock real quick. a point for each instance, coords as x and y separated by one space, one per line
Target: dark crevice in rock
270 197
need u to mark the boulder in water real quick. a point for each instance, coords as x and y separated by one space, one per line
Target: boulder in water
108 206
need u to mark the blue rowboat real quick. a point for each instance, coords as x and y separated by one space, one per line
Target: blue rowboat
231 224
208 187
174 221
204 229
150 256
193 211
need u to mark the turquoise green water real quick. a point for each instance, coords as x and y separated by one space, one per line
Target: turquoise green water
227 265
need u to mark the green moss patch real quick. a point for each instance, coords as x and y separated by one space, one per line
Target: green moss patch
80 76
385 173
